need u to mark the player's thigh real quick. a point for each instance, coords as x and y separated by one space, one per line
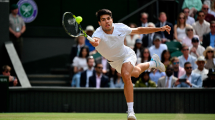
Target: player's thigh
126 69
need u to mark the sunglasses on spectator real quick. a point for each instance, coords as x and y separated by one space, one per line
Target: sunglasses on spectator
189 29
185 49
201 15
205 8
194 41
210 52
174 63
181 18
100 67
188 68
7 71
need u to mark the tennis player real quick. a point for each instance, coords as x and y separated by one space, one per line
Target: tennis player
109 42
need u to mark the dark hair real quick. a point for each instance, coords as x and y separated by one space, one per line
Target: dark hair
110 75
200 12
103 12
145 72
161 13
186 63
97 63
142 57
212 22
135 47
186 8
178 20
183 46
84 47
173 59
162 55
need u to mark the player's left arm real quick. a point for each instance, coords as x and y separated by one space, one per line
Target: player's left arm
147 30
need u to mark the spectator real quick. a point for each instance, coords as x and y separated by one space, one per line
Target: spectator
105 64
89 30
76 48
189 35
208 17
178 71
84 80
6 72
111 73
138 48
212 9
193 5
98 80
167 81
148 39
189 20
196 49
145 56
186 57
163 22
145 81
155 75
130 39
79 65
192 79
16 29
210 81
157 48
144 19
165 58
201 70
179 28
209 56
201 26
117 81
208 39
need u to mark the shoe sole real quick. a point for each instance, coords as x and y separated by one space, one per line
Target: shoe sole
132 119
156 57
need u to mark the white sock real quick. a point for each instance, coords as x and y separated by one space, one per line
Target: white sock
130 106
152 64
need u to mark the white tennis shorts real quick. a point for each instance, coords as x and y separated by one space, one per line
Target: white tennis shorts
131 57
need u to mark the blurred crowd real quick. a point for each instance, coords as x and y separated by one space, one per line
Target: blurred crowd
194 66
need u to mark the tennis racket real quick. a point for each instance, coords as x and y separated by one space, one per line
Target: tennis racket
73 28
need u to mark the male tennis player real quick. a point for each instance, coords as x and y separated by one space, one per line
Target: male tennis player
109 42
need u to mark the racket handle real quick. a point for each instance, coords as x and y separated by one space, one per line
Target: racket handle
90 39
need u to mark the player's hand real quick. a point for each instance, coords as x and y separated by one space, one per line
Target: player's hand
166 28
95 43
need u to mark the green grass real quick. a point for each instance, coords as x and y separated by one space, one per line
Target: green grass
102 116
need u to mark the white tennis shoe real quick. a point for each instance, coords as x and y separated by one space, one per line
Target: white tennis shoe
159 65
131 115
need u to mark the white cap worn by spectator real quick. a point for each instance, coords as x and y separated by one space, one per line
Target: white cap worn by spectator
90 28
201 61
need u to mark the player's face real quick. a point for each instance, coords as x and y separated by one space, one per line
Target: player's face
106 22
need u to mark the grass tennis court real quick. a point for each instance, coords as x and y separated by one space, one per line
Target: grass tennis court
102 116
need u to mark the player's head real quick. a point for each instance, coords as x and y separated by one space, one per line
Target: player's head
105 20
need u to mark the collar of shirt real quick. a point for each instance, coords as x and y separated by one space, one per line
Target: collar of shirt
90 70
144 24
99 77
187 58
162 24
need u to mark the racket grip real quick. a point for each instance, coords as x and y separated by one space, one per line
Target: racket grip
90 39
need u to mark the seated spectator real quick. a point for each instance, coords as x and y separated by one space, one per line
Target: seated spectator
186 57
6 72
167 81
84 80
130 39
162 22
155 75
196 49
208 17
79 65
192 79
208 39
201 27
105 64
189 20
111 73
178 71
212 9
145 81
147 39
76 48
144 19
98 80
138 48
210 81
165 58
201 69
193 5
189 35
89 31
157 48
179 28
117 81
209 56
145 56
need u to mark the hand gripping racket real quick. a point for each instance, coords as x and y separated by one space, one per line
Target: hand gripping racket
73 28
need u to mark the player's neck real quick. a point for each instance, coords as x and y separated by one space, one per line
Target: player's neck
108 31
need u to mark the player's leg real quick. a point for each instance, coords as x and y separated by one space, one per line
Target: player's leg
126 70
154 63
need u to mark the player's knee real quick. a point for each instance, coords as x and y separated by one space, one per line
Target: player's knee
126 75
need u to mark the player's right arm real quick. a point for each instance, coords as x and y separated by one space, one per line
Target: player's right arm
96 42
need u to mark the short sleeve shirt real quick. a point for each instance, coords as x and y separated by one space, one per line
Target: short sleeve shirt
16 23
112 45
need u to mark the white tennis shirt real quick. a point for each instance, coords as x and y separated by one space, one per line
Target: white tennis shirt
112 45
